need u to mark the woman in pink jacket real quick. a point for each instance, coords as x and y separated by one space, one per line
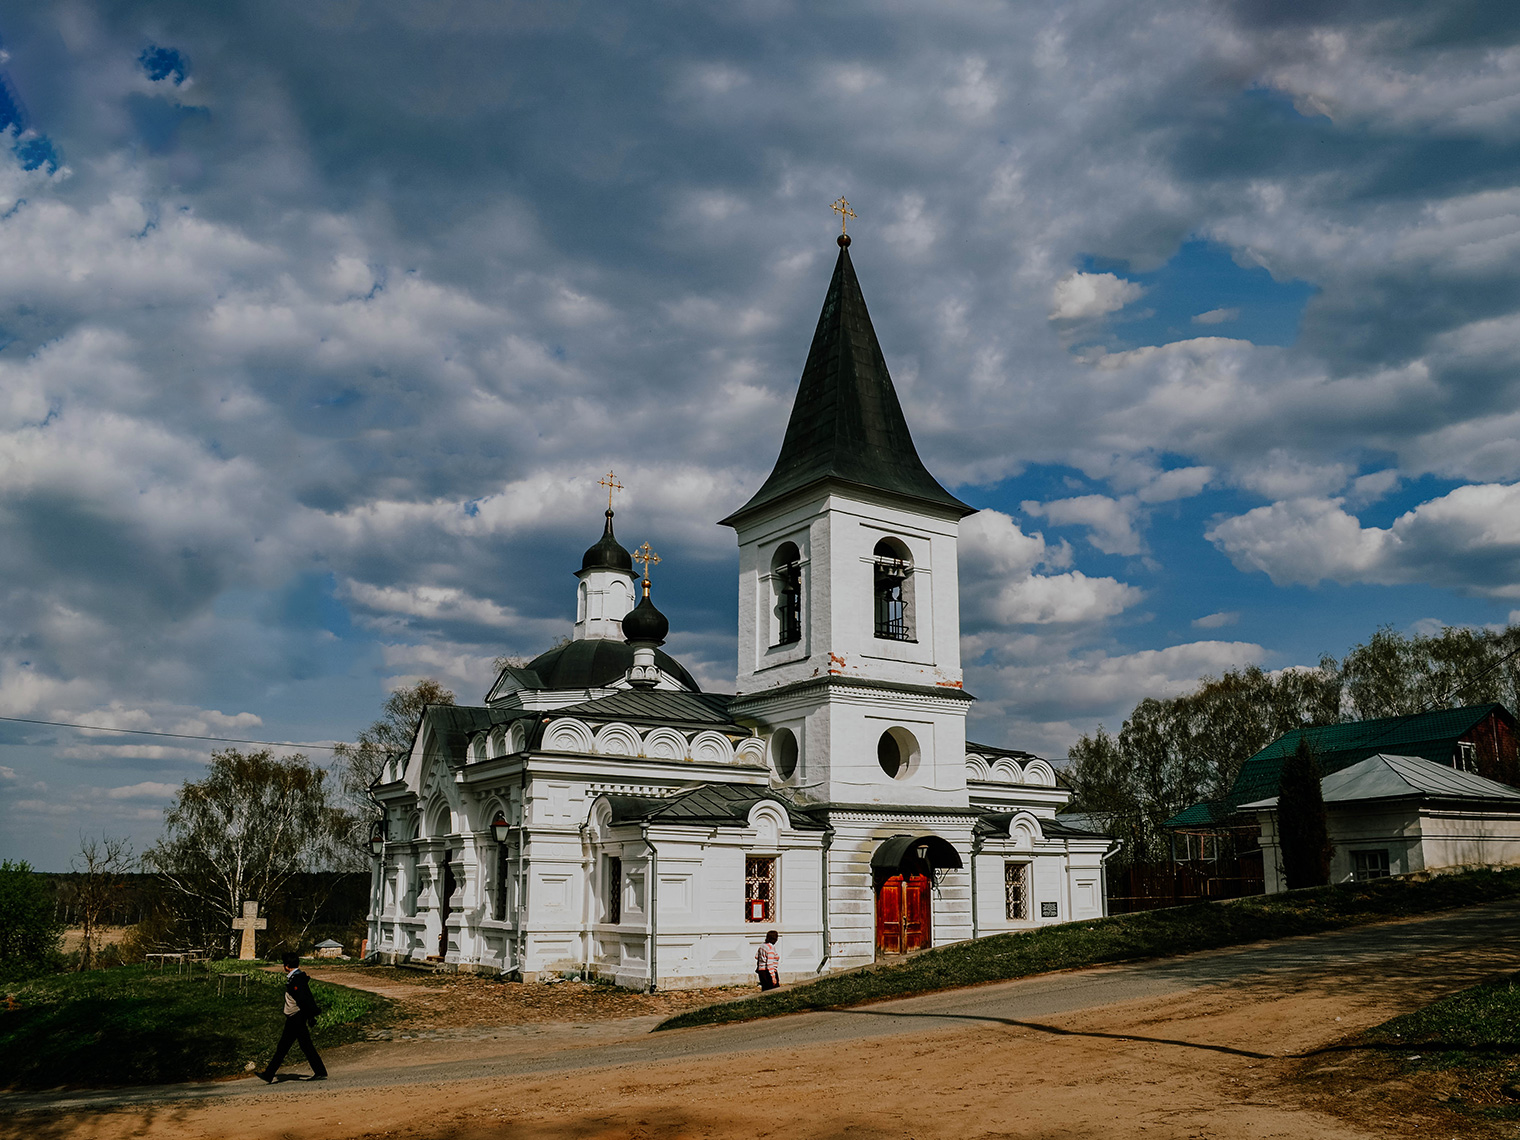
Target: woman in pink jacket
768 962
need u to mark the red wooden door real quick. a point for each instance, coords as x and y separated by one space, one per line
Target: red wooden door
915 913
889 911
902 914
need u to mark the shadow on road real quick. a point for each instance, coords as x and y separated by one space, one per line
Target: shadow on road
1057 1031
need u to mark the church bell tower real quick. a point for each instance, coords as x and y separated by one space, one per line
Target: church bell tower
849 607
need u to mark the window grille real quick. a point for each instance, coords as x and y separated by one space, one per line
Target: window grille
759 889
789 603
1016 889
614 890
1369 865
891 601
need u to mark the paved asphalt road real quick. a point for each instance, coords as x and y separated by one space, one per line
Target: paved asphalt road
1486 936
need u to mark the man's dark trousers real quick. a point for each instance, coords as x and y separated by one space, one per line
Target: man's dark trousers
296 1033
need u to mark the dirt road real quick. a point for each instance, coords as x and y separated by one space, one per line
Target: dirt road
1202 1046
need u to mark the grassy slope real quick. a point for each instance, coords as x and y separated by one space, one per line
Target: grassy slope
1483 1020
132 1025
1474 1035
1156 933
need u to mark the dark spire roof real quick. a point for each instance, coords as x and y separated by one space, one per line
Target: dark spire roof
608 553
846 422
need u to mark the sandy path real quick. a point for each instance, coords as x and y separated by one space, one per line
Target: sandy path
1195 1047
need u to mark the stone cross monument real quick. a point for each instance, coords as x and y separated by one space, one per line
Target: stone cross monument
248 924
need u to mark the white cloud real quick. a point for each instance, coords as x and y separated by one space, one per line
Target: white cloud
1217 620
1468 539
1216 317
1078 296
1054 697
999 585
1110 521
147 790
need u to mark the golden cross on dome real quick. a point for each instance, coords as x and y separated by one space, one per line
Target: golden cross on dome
610 481
648 558
842 208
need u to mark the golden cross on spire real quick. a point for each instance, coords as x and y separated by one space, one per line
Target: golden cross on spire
842 208
610 481
648 558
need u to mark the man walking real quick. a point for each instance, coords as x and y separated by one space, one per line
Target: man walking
300 1013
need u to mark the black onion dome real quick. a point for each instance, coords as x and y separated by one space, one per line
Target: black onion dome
594 663
645 623
608 553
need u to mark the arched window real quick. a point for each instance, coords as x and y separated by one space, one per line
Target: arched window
786 584
893 590
580 602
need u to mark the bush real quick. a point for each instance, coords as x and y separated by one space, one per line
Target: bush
30 930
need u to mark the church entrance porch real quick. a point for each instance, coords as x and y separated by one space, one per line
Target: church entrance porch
903 871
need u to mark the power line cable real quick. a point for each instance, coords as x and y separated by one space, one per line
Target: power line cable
174 735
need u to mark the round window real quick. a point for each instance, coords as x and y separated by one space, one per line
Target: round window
784 752
897 753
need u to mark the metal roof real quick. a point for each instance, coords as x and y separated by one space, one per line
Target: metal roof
996 824
1384 777
847 424
658 705
994 750
453 725
1430 735
711 805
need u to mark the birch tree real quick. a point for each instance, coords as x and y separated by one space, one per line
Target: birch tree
244 830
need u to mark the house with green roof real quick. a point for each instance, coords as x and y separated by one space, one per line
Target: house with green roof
1476 743
1391 815
1478 739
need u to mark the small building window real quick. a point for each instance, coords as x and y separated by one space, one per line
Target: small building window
614 889
893 590
786 583
1016 889
760 888
1466 759
1369 865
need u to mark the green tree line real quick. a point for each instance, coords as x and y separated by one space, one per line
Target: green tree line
1171 753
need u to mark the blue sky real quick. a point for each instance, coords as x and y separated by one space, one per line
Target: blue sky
318 325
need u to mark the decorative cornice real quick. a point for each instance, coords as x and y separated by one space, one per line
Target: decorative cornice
834 680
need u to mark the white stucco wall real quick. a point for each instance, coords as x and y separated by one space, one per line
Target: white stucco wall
1416 836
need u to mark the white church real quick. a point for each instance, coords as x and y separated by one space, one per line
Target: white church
601 815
